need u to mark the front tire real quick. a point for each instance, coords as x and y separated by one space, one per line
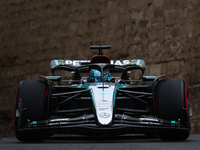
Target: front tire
171 95
32 96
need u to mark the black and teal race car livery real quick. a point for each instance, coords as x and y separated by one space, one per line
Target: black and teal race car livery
101 98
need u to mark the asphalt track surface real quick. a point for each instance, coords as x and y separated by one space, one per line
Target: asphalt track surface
86 143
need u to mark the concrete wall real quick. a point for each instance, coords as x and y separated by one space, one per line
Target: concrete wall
165 33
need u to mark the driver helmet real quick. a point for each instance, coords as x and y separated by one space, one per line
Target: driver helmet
95 76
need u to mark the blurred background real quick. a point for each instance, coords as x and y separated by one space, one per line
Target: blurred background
164 33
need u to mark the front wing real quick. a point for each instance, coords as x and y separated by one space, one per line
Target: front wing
86 124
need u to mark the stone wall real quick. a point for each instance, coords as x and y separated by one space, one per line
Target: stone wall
165 33
194 99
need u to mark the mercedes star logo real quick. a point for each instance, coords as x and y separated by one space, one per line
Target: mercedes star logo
104 115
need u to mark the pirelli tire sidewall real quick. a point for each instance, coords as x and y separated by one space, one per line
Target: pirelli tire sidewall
33 97
171 97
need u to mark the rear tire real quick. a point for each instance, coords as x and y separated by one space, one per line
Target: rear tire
171 95
32 94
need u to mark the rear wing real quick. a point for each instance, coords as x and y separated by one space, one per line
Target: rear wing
77 63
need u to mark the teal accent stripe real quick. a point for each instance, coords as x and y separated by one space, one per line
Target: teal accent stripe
34 122
115 93
91 93
118 85
150 76
138 62
57 63
173 121
52 76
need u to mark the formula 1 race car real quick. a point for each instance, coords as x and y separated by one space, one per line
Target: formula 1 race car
100 97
